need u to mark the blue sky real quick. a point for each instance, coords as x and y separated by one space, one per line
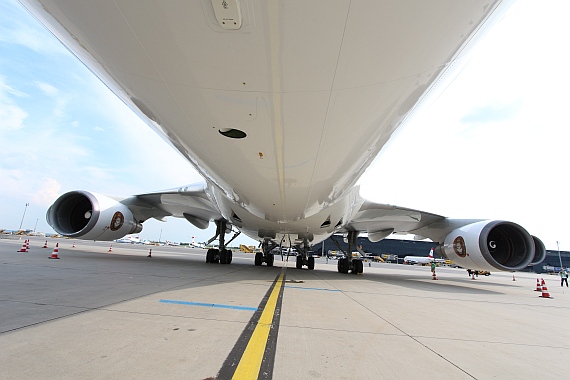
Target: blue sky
493 145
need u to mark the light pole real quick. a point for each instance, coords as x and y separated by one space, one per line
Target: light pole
22 222
559 257
36 226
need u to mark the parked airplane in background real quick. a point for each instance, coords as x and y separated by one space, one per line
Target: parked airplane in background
132 239
281 106
422 259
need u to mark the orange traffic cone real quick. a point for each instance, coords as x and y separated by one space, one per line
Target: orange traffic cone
55 252
45 245
24 248
545 293
111 248
538 286
150 253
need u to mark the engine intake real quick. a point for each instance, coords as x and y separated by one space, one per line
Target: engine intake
491 245
90 216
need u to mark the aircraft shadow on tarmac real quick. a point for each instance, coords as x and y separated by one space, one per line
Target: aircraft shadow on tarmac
184 266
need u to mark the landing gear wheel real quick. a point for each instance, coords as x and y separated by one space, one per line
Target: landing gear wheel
230 256
311 263
258 258
343 266
215 256
224 256
270 259
210 256
299 263
358 266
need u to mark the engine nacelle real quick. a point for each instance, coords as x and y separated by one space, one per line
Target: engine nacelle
490 245
90 216
539 251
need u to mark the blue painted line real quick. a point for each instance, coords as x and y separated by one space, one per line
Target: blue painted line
210 305
326 290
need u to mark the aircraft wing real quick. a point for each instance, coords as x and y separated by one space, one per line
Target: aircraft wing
468 242
92 216
380 220
190 202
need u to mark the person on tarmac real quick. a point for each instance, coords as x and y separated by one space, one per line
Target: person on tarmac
563 277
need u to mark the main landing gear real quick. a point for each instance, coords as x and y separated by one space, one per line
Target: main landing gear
221 255
265 256
347 264
303 258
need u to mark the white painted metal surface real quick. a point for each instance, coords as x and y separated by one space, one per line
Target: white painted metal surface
318 87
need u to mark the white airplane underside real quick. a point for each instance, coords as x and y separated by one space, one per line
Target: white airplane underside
281 106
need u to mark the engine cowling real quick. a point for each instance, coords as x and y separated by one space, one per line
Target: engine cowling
539 251
490 245
90 216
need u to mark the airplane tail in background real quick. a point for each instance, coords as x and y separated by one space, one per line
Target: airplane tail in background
431 254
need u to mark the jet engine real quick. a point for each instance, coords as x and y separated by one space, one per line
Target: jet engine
492 245
90 216
539 251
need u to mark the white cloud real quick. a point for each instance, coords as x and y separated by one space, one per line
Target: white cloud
47 193
14 30
11 116
47 88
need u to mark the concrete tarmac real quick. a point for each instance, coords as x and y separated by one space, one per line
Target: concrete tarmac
98 314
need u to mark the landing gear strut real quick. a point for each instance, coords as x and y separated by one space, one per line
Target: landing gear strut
220 255
348 264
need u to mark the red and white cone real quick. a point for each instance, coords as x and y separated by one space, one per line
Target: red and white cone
55 252
24 248
45 245
473 275
110 248
545 293
433 276
149 253
73 246
28 244
538 286
514 277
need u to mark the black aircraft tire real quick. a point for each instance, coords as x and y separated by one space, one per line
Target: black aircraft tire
270 259
210 256
344 265
299 263
258 259
358 266
311 263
